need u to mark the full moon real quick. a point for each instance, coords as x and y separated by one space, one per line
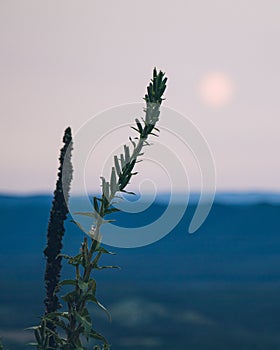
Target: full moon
216 89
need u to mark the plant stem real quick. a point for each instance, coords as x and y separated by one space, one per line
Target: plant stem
56 228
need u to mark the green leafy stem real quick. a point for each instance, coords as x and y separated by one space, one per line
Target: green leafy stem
76 322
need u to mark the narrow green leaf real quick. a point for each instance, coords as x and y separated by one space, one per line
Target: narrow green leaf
111 210
122 161
103 181
107 267
65 256
85 313
113 182
69 297
106 190
126 154
82 285
37 336
32 328
139 125
133 143
86 324
127 178
93 299
117 165
154 73
95 335
131 165
105 251
89 214
67 282
132 127
107 221
92 286
155 81
95 204
127 192
54 315
105 310
46 342
96 259
149 88
73 260
43 327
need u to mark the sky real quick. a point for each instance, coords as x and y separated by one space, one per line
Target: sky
63 62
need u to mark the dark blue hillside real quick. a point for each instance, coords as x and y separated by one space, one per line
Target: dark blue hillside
216 289
235 243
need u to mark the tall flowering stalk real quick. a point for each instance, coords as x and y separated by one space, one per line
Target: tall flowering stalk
124 164
56 228
76 322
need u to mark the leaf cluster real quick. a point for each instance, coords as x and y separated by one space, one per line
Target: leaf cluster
124 164
71 329
75 327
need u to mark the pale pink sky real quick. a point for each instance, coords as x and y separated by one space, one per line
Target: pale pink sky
62 62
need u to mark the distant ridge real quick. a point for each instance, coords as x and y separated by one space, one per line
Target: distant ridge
247 198
228 198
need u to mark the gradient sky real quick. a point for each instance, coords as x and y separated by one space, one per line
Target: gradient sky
64 61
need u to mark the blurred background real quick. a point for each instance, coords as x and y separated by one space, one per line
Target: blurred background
64 62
